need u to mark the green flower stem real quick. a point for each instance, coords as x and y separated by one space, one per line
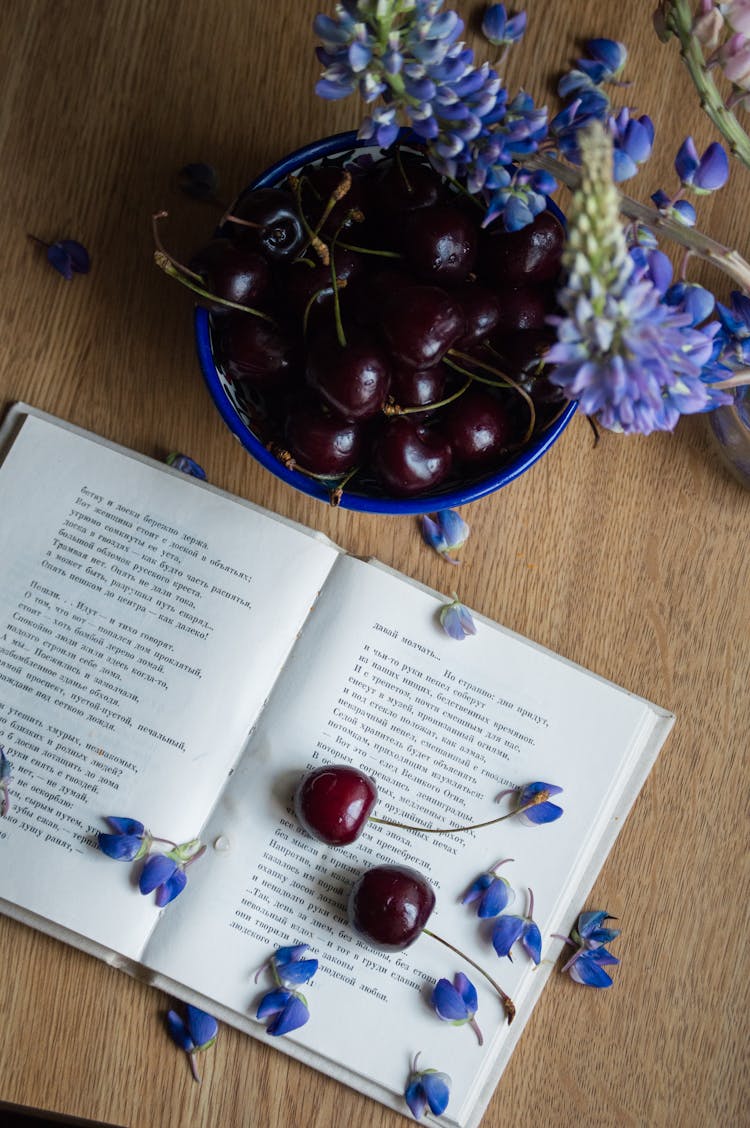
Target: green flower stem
678 18
510 1006
700 245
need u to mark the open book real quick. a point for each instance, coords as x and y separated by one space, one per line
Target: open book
173 654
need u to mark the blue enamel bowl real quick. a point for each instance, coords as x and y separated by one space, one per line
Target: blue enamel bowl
237 420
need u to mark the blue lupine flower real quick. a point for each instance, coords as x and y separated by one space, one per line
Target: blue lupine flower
493 892
286 1007
588 968
456 620
290 968
588 937
426 1088
631 360
68 257
633 140
692 299
129 841
5 778
703 174
197 1033
185 464
501 29
607 58
607 54
162 873
446 532
510 930
409 64
532 803
457 1002
287 1010
682 211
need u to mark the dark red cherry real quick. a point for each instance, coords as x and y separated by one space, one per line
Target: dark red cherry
254 350
353 379
440 245
478 427
276 227
513 258
524 308
333 804
407 185
310 288
481 309
323 442
408 458
420 324
233 273
522 352
389 906
415 387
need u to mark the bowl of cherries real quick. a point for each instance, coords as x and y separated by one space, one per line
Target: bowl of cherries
370 343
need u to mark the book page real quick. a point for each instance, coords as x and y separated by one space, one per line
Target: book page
143 619
442 726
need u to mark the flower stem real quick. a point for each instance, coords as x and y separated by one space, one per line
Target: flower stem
702 246
510 1007
505 382
679 20
194 1068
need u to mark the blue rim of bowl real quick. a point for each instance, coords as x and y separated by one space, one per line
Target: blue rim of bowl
450 499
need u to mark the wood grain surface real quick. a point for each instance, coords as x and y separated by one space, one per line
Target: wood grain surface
630 558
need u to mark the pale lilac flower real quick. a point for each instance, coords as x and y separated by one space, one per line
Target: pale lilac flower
736 13
446 532
631 360
456 620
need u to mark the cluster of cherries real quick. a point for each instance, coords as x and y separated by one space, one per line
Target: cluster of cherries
393 341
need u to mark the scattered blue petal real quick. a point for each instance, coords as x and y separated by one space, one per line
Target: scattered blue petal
588 937
67 256
533 804
199 180
286 1009
427 1089
129 841
186 465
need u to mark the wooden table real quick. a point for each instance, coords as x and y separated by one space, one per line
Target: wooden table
630 558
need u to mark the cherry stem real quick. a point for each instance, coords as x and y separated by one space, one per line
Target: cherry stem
508 381
230 218
335 495
370 251
402 170
165 263
340 334
394 409
313 239
460 829
169 257
510 1007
